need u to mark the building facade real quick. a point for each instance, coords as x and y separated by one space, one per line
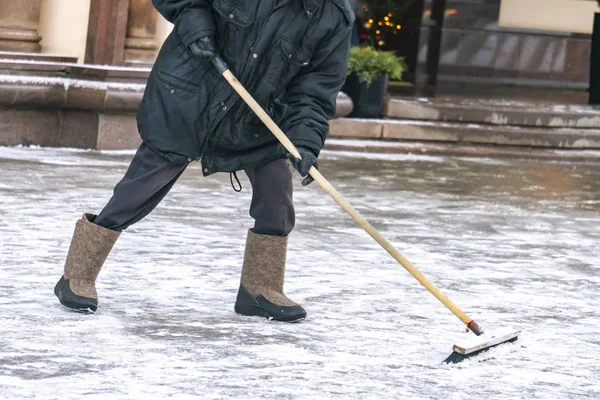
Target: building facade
85 30
73 72
540 43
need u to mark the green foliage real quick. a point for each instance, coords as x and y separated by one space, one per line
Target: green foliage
368 63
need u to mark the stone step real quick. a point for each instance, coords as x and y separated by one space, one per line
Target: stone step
456 132
385 148
495 112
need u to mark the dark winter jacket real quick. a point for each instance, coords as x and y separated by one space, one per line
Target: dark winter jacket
290 54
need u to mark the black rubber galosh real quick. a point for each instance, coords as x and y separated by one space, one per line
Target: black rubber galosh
261 307
67 298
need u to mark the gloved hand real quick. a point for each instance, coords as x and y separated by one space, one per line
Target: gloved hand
309 159
205 47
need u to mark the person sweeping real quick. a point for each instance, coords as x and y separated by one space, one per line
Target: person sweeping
292 55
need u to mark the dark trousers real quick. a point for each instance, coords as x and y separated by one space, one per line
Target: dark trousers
150 177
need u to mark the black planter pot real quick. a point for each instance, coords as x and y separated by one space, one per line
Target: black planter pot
595 63
368 101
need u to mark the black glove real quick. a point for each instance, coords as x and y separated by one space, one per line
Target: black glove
309 159
204 47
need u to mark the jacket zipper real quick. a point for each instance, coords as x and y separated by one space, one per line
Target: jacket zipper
262 30
236 97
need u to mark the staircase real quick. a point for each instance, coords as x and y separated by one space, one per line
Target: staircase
467 126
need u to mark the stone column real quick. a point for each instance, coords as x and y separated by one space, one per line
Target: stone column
106 32
19 20
140 45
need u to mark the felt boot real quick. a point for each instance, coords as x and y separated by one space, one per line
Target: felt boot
90 247
261 289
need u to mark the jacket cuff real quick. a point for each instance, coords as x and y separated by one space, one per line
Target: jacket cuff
194 38
196 19
305 136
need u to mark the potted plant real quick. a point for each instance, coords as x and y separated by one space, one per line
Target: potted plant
369 71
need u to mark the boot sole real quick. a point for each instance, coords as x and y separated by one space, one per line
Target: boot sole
76 308
73 302
253 311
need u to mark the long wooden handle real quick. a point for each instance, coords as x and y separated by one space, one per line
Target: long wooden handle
264 117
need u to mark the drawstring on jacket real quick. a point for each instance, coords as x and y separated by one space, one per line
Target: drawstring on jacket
239 184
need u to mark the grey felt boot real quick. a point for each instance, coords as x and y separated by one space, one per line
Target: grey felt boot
261 289
90 246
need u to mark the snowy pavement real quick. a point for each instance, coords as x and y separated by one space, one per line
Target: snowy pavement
515 243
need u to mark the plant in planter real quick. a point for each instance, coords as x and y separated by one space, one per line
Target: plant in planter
369 71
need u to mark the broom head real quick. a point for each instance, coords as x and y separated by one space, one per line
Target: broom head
477 345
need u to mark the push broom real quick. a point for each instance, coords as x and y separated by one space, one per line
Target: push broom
460 352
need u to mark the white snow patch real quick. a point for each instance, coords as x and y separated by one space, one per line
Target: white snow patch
87 66
68 82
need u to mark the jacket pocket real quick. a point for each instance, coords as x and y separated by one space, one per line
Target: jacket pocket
172 115
248 131
276 110
256 130
178 83
232 23
230 13
294 56
293 60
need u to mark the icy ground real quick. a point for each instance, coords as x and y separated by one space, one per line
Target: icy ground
515 243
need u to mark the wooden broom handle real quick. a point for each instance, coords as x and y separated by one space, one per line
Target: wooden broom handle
264 117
